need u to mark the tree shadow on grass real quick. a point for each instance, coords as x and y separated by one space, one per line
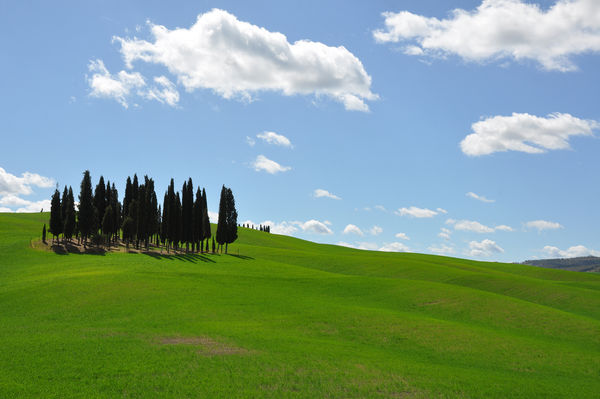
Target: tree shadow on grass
241 256
193 258
67 249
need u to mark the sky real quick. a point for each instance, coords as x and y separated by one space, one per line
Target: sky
460 128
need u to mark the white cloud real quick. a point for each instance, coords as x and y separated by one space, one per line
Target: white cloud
402 236
526 133
483 248
276 139
445 233
375 230
352 229
314 226
263 163
479 197
394 247
502 29
442 249
250 141
5 210
165 92
213 216
415 212
471 225
35 206
341 243
543 225
13 200
11 184
381 208
117 87
320 193
441 210
369 246
285 228
571 252
237 59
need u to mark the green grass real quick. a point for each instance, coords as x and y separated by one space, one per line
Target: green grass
289 319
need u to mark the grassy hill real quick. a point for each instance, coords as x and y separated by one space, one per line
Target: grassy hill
288 318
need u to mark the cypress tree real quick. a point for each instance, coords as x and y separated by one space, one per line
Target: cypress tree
116 205
206 233
107 223
164 226
197 221
44 234
213 245
141 219
177 215
63 205
227 225
69 227
100 200
171 207
56 223
128 196
127 227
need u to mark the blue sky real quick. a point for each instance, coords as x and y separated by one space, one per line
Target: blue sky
432 127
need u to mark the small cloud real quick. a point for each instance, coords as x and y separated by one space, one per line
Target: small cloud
402 236
263 163
320 193
445 233
380 208
442 249
441 210
571 252
394 247
314 226
375 230
275 139
479 197
353 229
503 227
484 248
415 212
250 141
541 225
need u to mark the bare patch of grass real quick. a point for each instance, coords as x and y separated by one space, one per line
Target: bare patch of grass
208 346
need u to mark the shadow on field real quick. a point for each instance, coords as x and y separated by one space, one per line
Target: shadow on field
67 248
241 256
193 258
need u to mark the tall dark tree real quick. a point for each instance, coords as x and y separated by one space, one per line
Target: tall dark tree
63 205
56 223
164 225
69 221
86 207
128 230
206 233
128 196
177 218
227 225
197 221
173 216
116 205
187 211
107 223
44 234
100 200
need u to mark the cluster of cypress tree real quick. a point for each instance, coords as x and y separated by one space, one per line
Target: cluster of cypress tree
266 228
141 220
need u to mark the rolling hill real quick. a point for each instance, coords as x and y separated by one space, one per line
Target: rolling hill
280 317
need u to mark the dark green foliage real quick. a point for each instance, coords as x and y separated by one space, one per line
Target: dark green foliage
44 234
213 245
187 210
197 221
116 205
128 196
56 223
86 207
107 223
69 221
227 224
206 233
100 199
63 205
128 228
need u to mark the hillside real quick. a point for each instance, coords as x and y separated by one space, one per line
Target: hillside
288 318
579 264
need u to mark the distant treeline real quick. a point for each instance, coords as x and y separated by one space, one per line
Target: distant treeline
139 220
266 228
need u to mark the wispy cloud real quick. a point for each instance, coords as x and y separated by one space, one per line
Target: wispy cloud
321 193
275 139
416 212
541 225
479 197
265 164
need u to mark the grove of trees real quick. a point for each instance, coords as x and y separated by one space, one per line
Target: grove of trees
181 221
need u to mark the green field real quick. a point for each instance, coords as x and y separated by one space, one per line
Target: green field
289 318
